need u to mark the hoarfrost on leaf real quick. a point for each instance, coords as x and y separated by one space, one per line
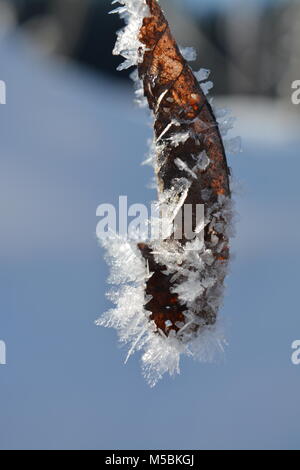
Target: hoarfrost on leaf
140 99
189 53
202 75
191 289
196 269
220 112
131 320
179 138
128 45
206 87
202 162
226 124
233 146
184 167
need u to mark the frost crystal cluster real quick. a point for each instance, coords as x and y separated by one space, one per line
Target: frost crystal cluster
128 45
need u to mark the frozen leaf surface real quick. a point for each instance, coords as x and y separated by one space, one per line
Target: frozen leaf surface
173 289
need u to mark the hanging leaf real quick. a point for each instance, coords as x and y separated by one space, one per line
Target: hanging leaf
176 283
180 108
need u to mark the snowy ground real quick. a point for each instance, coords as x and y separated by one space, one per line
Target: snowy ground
69 142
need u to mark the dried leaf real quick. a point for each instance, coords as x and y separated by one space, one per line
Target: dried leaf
171 288
180 107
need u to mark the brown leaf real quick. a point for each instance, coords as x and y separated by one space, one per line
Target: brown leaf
179 106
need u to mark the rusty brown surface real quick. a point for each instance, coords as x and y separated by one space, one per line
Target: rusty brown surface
173 93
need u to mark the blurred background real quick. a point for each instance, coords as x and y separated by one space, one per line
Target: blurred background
71 139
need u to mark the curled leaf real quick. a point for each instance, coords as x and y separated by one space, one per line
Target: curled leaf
173 286
181 108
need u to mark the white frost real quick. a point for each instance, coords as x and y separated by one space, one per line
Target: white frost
202 75
206 87
140 98
128 45
202 162
184 167
161 354
188 53
233 146
179 138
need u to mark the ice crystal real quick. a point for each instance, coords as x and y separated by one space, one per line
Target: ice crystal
179 138
202 75
206 87
233 146
140 99
128 45
184 167
202 162
189 53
